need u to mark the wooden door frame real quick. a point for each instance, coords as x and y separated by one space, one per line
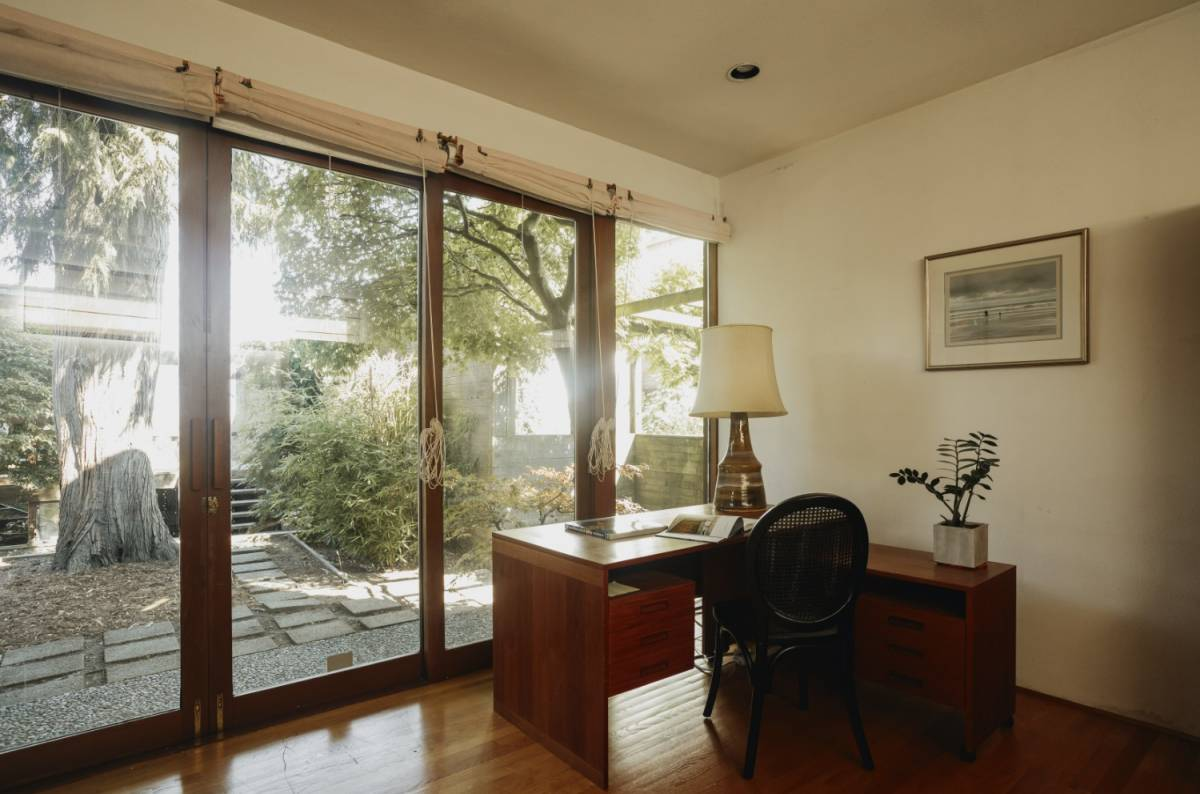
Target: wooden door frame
443 662
69 753
230 711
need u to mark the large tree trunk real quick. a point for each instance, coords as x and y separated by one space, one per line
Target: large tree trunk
103 401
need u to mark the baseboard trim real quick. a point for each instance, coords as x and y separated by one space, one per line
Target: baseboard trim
1114 714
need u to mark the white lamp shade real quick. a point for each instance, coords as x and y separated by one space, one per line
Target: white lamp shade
737 373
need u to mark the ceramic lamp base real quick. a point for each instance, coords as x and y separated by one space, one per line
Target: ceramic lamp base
740 489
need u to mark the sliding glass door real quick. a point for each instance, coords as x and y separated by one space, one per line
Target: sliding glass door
100 540
319 391
217 358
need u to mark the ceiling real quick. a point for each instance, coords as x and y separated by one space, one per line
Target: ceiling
651 73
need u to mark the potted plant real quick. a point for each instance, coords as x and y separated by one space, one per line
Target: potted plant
968 463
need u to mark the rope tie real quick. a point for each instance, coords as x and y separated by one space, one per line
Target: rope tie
432 439
602 453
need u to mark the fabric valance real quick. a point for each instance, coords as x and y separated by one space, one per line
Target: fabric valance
40 49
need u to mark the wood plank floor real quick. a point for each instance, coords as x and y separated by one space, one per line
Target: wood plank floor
445 737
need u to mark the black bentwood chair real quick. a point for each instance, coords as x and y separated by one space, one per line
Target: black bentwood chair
805 559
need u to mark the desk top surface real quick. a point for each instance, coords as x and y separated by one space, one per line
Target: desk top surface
892 562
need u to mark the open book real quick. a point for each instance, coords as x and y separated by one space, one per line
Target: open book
704 528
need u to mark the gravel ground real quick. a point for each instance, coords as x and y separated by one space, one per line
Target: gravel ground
282 665
465 625
95 707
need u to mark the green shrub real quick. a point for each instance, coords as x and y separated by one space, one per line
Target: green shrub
341 467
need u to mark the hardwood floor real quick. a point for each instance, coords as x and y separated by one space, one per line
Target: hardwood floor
445 737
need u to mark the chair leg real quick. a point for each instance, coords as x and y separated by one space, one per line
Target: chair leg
756 711
719 646
850 693
802 694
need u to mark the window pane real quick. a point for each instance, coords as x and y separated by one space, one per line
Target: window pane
660 312
89 422
323 403
509 379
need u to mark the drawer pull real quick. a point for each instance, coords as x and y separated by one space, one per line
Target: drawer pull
906 650
906 679
653 668
656 606
651 639
906 623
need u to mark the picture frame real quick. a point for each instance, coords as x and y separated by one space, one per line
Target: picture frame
1012 304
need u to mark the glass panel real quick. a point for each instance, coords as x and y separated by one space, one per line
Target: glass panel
660 312
89 422
509 379
323 407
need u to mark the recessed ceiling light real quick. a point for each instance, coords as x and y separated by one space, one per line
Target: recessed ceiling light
743 71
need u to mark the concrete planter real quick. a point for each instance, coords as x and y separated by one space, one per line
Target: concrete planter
965 547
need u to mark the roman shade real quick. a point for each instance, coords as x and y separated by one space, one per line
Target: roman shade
251 104
36 48
40 49
582 193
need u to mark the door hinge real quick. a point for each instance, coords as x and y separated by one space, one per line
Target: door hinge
196 718
212 504
220 712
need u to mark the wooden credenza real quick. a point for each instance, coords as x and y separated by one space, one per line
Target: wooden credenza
941 633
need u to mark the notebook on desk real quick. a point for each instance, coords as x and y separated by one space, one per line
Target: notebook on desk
617 527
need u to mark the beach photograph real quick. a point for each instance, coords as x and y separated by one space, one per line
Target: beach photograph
1011 302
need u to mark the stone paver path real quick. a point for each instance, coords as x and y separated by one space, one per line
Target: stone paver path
286 616
388 618
319 631
253 645
140 650
38 671
43 651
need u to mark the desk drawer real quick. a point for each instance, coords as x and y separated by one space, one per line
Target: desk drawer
911 649
650 635
647 608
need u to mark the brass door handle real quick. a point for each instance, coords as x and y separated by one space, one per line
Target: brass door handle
212 504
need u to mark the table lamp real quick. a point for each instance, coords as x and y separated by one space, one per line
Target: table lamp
737 380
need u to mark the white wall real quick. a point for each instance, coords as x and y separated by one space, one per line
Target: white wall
216 34
1098 497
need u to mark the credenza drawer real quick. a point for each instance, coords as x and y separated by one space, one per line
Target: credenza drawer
650 634
911 649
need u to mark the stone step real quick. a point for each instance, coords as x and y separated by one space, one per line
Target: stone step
251 554
365 606
289 599
255 576
319 631
252 645
289 620
241 611
140 649
134 633
46 689
247 628
381 619
271 586
403 587
44 651
258 565
11 675
154 664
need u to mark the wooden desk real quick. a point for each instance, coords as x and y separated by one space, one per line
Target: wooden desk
561 646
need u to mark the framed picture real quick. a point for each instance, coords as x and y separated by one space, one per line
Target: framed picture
1010 304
